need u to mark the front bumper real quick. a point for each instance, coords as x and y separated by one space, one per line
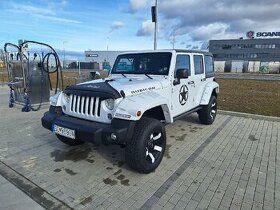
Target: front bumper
91 131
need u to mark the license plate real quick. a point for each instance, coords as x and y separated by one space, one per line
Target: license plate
69 133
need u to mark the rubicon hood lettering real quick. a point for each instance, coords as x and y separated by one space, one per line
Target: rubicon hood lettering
142 90
137 85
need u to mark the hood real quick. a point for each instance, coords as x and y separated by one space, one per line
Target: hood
130 85
134 85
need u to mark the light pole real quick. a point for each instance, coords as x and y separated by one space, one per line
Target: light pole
79 67
173 41
155 20
107 46
64 42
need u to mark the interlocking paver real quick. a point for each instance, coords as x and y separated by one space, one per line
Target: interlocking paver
238 168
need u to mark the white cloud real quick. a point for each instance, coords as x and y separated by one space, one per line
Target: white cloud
42 13
211 31
58 19
147 28
32 10
64 2
136 5
116 25
203 20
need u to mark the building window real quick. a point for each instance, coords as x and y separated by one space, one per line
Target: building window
253 55
240 56
226 47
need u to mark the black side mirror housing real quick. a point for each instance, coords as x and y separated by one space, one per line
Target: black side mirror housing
182 73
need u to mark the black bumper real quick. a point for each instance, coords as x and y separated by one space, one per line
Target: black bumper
91 131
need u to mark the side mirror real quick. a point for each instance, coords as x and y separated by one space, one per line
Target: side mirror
182 73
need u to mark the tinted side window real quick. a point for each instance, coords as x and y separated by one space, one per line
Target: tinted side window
182 62
209 66
198 64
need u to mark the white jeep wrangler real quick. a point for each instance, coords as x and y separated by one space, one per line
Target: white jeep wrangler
143 92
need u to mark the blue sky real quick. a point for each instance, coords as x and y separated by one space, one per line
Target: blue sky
79 25
76 25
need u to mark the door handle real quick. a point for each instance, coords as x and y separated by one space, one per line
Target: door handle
191 82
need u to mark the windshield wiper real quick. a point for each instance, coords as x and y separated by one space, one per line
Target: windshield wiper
124 76
148 76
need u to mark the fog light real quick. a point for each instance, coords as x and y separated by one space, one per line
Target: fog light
58 110
113 136
109 116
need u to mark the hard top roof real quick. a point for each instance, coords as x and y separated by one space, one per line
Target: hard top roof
168 50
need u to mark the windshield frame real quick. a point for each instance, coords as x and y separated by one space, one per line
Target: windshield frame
137 56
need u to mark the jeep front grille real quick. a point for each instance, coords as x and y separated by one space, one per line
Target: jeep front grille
89 106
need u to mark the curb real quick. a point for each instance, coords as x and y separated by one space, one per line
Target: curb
247 115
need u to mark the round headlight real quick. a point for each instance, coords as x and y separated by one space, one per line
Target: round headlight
66 98
110 103
54 99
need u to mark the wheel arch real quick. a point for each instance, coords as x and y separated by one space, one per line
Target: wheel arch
160 113
210 89
145 104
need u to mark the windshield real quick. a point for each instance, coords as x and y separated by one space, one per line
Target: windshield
143 63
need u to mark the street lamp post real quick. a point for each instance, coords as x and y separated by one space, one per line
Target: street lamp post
155 20
64 42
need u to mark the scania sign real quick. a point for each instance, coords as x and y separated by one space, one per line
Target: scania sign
250 34
267 34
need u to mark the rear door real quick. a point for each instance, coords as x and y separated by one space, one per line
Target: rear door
198 80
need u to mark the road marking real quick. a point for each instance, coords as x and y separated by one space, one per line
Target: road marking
168 183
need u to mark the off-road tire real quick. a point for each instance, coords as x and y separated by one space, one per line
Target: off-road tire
68 141
208 113
148 139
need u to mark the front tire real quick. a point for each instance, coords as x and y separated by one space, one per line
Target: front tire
208 113
145 150
68 141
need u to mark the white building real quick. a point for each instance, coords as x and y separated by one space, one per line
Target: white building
101 57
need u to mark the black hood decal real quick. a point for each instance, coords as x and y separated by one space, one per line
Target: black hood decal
101 89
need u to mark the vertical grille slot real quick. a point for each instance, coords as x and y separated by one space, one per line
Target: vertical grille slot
96 106
93 108
86 105
72 103
76 105
99 106
79 105
82 104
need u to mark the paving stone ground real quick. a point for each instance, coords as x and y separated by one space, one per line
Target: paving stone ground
232 164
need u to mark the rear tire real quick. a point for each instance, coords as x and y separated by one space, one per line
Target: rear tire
208 113
68 141
145 150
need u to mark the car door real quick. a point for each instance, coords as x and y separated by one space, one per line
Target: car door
198 79
181 90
